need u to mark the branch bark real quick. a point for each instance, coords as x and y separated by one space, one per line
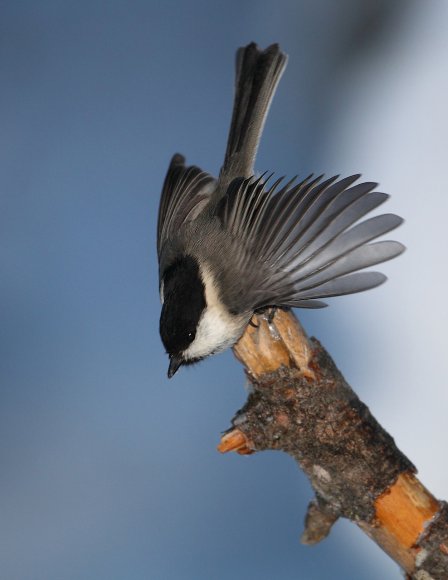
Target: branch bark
301 404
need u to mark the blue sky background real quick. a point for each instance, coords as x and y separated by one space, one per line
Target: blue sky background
107 469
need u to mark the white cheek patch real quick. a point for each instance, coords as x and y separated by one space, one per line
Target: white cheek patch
214 334
217 329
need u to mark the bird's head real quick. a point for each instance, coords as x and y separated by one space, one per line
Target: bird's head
194 322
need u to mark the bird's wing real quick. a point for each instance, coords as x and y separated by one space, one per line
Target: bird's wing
301 242
185 193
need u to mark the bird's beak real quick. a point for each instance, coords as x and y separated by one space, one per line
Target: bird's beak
175 362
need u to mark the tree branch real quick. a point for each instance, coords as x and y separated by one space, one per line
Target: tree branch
301 404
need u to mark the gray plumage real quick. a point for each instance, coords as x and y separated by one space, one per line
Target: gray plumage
300 241
188 190
257 76
264 242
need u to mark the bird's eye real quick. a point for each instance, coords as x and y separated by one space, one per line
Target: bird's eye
190 335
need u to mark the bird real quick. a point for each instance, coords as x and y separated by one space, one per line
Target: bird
243 243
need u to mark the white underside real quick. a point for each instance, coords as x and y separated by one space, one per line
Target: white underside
217 328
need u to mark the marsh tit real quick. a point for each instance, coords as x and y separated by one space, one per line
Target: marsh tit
238 244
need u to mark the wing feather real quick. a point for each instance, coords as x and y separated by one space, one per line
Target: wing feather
302 241
186 191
